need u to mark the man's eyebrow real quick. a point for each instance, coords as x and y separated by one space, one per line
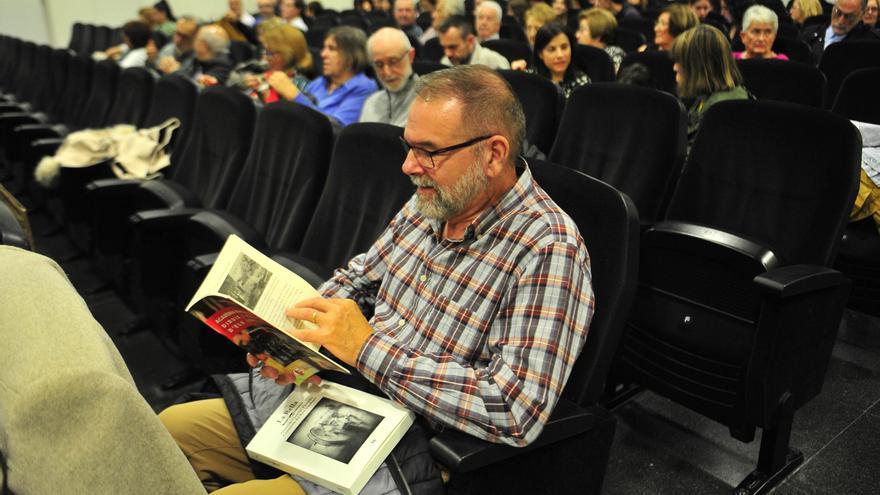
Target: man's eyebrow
420 144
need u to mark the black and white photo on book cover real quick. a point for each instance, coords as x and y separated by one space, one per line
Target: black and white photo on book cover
246 281
335 430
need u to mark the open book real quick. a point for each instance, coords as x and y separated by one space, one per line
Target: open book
332 435
243 298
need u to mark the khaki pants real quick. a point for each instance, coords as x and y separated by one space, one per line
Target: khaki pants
204 431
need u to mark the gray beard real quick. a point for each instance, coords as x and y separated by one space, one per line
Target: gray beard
448 203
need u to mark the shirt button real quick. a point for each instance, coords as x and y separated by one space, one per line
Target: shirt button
401 323
423 278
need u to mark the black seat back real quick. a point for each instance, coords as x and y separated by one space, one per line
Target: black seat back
542 102
241 51
782 80
175 96
210 162
856 99
595 62
93 114
133 97
658 64
76 89
284 173
510 49
787 197
630 137
365 188
609 224
422 67
432 50
839 59
630 41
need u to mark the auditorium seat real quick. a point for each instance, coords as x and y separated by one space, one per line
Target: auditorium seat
630 137
659 65
857 98
842 58
542 102
572 452
510 49
782 80
630 41
738 309
595 62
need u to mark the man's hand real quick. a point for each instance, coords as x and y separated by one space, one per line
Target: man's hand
283 85
273 374
519 64
206 81
341 327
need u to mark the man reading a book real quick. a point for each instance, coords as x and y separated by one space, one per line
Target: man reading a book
472 306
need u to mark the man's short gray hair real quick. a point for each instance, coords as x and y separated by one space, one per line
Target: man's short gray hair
761 15
398 36
453 7
489 4
488 103
214 37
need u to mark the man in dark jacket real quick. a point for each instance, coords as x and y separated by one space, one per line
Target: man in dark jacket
211 64
846 25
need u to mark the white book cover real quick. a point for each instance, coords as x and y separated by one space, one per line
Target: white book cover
331 435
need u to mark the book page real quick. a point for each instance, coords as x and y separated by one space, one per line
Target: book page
244 297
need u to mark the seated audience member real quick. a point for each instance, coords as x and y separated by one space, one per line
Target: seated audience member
488 20
801 10
238 24
314 9
211 64
517 9
179 51
136 35
285 51
701 8
620 8
560 7
147 15
292 13
391 54
162 21
515 260
443 10
705 72
846 25
363 6
537 15
460 46
266 10
552 58
405 15
236 13
341 91
870 17
674 20
758 34
383 6
596 28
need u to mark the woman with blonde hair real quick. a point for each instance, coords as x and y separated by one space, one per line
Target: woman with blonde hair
537 15
705 72
804 9
285 51
596 28
674 20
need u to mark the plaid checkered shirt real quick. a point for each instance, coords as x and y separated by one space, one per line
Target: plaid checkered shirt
479 334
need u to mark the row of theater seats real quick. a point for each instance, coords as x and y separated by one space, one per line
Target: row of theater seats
734 313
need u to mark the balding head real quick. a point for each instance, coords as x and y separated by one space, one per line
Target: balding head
391 55
211 41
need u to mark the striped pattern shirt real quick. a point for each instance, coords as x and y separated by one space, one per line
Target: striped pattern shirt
479 334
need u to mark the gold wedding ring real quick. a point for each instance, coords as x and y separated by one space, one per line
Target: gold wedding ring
315 317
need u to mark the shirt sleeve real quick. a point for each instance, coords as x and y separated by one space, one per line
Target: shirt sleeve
531 346
349 108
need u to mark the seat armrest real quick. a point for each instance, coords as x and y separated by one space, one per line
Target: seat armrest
15 119
705 238
162 218
796 280
462 453
34 132
111 186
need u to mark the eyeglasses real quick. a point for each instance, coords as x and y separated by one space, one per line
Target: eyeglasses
852 16
390 62
425 157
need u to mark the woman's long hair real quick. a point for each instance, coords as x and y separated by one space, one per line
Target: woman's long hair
543 38
706 63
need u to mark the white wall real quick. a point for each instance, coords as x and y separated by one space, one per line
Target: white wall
50 21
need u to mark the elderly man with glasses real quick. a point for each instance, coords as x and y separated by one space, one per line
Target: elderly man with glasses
846 25
391 55
472 306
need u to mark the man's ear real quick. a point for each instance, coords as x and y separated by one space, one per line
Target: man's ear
412 55
499 151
